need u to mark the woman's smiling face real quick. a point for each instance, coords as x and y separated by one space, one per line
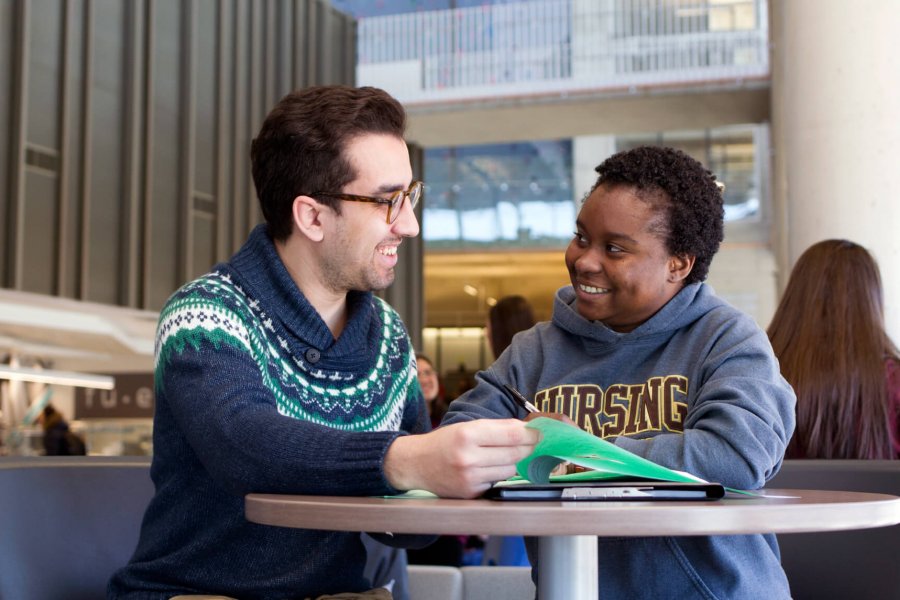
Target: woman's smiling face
618 262
428 380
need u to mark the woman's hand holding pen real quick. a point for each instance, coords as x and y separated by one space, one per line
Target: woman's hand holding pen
564 467
534 413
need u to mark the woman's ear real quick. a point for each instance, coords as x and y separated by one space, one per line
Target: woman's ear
307 216
680 267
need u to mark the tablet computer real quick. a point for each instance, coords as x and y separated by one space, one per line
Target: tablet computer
607 490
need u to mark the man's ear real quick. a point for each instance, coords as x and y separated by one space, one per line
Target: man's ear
307 216
680 266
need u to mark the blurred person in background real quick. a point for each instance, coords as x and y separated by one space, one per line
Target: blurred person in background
59 440
432 390
828 334
508 317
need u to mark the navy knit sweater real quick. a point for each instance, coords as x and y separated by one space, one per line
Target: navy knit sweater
254 394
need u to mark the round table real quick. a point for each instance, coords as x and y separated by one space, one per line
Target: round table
567 547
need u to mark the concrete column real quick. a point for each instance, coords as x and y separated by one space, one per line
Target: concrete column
588 151
836 131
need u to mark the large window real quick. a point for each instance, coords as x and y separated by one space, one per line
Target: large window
729 152
522 195
499 195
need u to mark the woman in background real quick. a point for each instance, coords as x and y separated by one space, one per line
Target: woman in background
828 334
431 389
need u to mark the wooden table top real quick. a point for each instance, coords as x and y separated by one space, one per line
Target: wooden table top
802 511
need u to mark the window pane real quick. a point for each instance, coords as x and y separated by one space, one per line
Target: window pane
502 195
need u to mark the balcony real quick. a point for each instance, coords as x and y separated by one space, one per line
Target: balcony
561 48
689 73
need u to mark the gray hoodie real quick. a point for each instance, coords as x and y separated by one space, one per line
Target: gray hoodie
694 388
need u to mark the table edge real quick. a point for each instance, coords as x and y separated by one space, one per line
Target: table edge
802 514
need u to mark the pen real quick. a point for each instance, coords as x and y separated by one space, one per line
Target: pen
520 399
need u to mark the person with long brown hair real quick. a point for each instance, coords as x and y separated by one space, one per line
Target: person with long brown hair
828 334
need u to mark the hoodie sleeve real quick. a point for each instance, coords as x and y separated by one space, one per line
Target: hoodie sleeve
739 418
488 399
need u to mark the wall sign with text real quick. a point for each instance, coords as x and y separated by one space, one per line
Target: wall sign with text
132 398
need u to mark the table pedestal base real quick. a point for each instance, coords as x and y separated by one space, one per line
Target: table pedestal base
567 567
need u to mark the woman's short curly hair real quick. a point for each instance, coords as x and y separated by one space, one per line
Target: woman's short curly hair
683 191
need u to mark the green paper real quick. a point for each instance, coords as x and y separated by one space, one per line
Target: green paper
562 442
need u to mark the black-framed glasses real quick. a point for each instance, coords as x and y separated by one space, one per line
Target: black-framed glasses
394 201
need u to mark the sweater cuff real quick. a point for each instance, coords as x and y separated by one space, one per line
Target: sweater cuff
362 458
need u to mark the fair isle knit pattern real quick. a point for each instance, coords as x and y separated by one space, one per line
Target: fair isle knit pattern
217 310
255 394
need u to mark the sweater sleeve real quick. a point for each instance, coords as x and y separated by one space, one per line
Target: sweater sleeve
230 422
488 399
220 386
739 419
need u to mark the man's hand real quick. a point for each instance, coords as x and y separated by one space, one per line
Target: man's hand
460 460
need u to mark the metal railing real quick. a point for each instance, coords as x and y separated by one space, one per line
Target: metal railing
556 46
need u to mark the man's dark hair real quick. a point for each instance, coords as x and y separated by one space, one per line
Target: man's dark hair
682 191
300 147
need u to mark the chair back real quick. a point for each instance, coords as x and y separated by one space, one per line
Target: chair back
434 582
498 583
842 564
66 523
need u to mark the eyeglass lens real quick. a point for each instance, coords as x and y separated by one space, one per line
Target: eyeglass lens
414 193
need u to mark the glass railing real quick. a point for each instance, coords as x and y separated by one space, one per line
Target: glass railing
560 46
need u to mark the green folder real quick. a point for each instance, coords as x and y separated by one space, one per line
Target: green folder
562 442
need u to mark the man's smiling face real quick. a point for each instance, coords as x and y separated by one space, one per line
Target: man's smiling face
361 253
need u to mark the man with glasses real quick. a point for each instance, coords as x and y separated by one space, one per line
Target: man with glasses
279 371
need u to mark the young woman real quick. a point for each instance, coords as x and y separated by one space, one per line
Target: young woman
641 352
828 333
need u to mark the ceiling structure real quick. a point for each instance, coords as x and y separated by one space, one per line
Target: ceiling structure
607 112
70 335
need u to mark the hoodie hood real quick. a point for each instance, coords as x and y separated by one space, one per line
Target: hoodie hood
688 305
